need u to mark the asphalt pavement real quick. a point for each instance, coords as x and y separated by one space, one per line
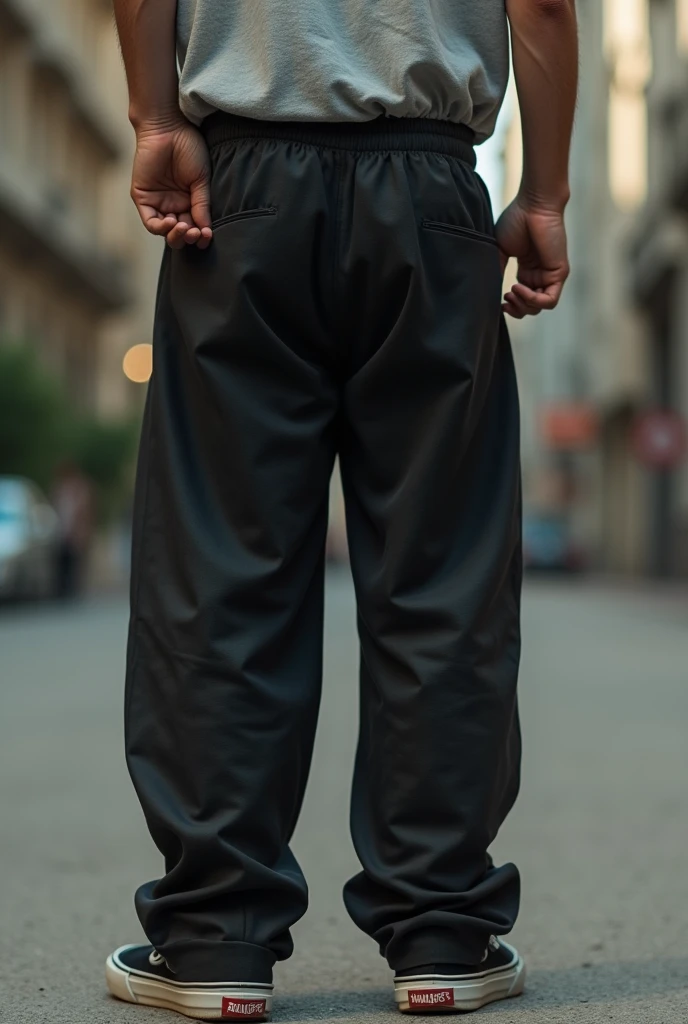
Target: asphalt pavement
600 831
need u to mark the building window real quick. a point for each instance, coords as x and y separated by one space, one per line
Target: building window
682 25
628 48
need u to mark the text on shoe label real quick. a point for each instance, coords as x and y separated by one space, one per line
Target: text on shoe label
431 997
243 1009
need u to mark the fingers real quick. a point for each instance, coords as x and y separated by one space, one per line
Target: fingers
200 203
183 233
522 301
178 229
206 237
200 211
154 222
519 302
540 298
186 232
514 307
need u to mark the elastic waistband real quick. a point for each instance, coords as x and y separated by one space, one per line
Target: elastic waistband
376 136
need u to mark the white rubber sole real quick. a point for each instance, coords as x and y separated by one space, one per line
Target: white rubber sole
432 993
207 1001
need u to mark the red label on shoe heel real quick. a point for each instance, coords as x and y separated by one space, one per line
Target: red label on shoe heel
242 1009
428 998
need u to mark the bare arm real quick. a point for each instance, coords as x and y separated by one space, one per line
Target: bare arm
545 53
545 56
170 181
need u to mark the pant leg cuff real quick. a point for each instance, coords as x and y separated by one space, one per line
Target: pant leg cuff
436 948
219 961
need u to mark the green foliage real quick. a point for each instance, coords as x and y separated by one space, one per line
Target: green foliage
32 416
39 429
104 452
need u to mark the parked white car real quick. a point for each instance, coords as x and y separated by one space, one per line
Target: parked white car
29 540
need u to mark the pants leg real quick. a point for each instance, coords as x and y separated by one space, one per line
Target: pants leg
225 650
430 465
323 270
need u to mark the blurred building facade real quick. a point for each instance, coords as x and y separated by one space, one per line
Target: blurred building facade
77 272
590 370
659 266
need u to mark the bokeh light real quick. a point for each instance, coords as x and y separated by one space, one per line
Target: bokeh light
138 363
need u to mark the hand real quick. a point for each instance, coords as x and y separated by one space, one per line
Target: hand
536 236
171 184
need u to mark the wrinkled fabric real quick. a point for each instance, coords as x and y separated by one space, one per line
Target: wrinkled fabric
349 60
349 304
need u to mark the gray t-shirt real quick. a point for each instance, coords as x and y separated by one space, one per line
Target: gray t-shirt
344 60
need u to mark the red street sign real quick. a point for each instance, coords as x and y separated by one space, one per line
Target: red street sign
569 426
660 439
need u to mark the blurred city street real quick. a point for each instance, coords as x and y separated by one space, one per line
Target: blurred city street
600 832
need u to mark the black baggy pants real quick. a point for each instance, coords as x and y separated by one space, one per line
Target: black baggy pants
349 304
